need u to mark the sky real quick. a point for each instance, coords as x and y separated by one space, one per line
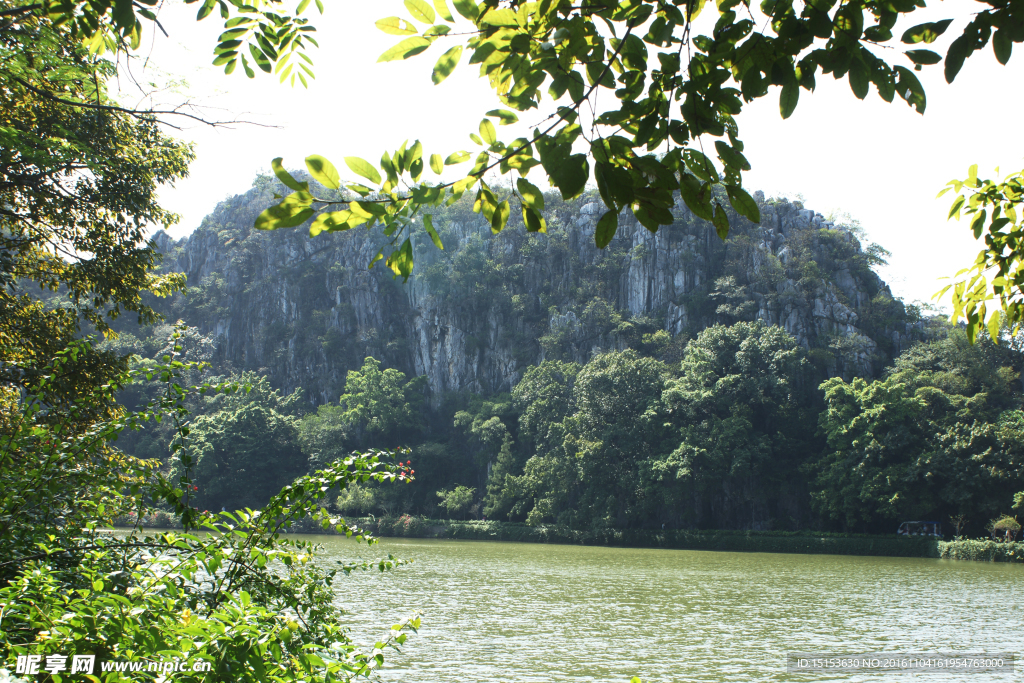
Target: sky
878 163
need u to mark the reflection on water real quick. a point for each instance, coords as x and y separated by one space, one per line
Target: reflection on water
527 612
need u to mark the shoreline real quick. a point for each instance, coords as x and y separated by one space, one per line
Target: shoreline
801 542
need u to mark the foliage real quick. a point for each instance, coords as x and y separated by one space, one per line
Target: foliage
382 405
1003 525
742 415
242 455
238 595
544 397
982 200
981 551
456 501
588 442
940 436
325 435
77 194
270 35
635 58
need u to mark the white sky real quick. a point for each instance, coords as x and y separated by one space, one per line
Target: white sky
882 164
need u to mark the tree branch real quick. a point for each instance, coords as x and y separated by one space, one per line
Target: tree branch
132 112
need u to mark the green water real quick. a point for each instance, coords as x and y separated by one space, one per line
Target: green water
526 612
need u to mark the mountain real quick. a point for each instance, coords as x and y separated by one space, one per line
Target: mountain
473 317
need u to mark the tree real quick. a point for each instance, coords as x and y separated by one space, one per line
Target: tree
382 404
78 180
591 429
245 446
456 501
325 435
544 397
742 417
940 436
77 194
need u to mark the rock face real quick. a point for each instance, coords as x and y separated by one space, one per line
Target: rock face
475 316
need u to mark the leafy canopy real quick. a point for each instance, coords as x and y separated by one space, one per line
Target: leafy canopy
647 97
646 94
1002 259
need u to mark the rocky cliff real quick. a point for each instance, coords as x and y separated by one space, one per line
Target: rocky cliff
473 317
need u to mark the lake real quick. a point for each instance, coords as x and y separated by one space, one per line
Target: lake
529 612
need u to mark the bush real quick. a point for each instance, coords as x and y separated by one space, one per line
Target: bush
981 551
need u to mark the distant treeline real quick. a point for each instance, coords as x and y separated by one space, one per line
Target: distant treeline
742 433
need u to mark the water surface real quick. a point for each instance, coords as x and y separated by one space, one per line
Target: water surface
530 612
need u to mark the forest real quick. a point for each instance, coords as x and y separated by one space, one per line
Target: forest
615 422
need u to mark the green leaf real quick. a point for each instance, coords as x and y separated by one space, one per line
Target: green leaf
696 196
323 171
731 157
859 80
367 209
720 221
504 116
205 9
294 210
442 8
978 224
467 8
405 49
436 164
332 221
533 220
487 132
500 217
456 158
286 177
700 165
743 203
486 203
396 26
993 325
363 168
500 17
789 98
400 261
957 53
570 176
420 11
954 210
923 57
1002 45
606 229
531 194
446 64
910 89
428 224
925 33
